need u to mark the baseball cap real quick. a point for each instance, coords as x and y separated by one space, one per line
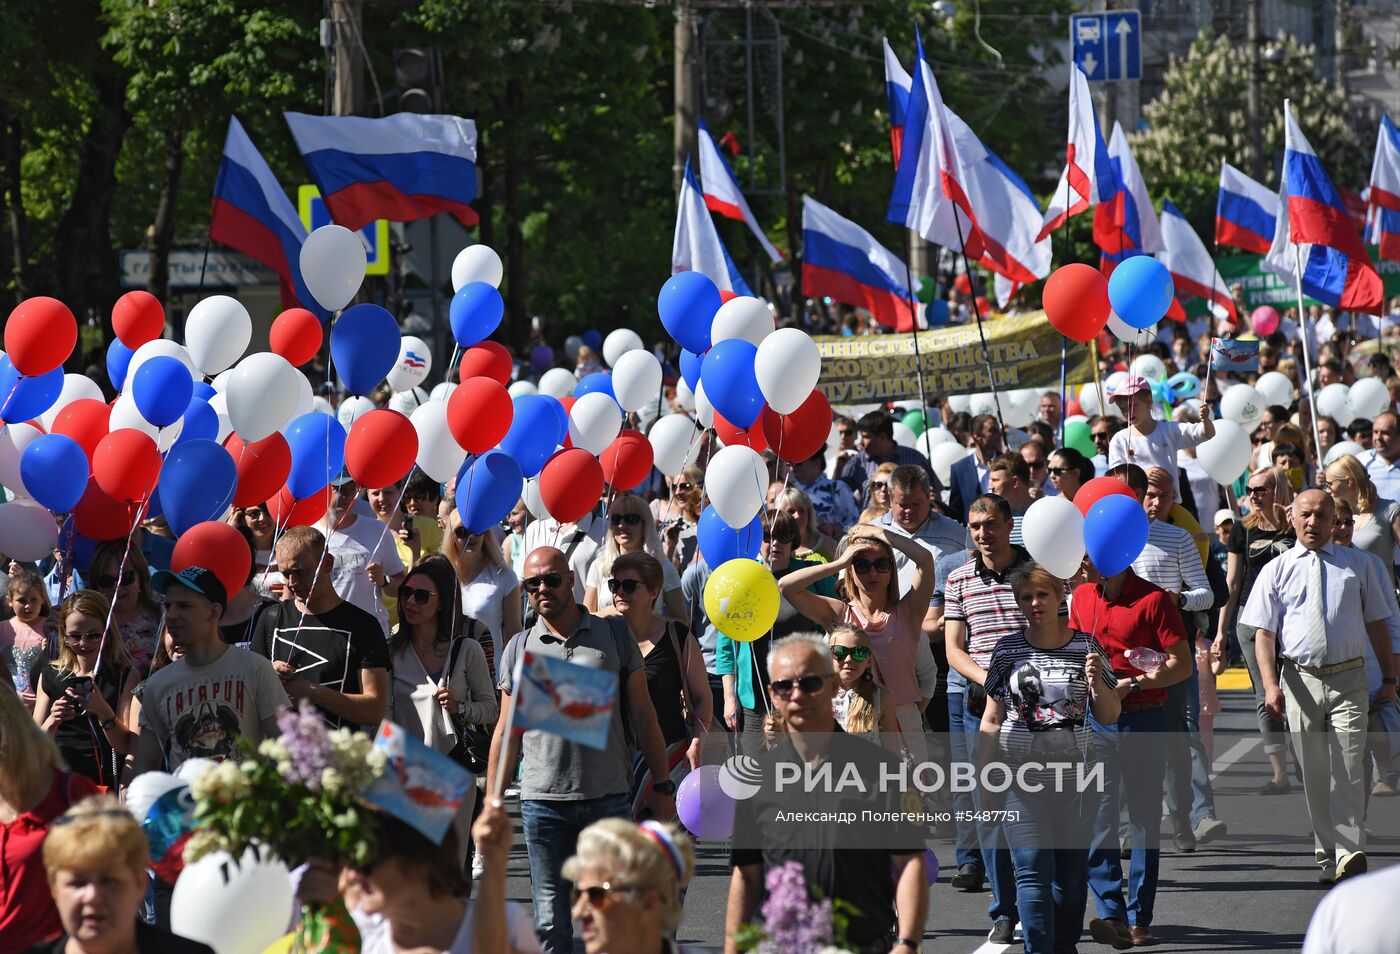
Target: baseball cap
1223 516
342 478
1133 385
197 578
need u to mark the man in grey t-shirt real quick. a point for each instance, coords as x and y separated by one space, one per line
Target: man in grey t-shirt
564 786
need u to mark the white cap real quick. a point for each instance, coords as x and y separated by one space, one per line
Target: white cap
1224 516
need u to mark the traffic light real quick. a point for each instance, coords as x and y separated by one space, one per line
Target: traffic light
418 76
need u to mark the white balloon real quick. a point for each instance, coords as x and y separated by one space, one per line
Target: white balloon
1052 531
1333 401
443 391
534 503
1137 337
477 263
675 443
557 382
960 403
636 378
159 346
220 382
987 403
704 410
14 438
1226 455
1370 398
904 435
685 397
527 387
1020 407
322 406
219 403
217 333
305 400
1276 387
439 454
236 907
787 366
1076 419
939 435
594 422
743 317
27 530
75 388
1342 449
333 265
620 342
1149 366
943 458
1244 405
146 788
735 482
352 409
262 393
414 363
127 416
406 402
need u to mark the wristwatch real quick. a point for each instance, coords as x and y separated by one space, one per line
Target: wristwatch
1390 680
107 724
908 942
1134 685
664 787
1181 601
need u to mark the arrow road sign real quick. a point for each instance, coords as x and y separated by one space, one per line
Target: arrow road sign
1107 46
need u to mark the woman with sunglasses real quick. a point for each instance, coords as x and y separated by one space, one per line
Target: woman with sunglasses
82 704
812 545
414 537
127 584
857 703
678 517
870 587
1263 533
260 527
1069 470
489 587
632 529
1377 519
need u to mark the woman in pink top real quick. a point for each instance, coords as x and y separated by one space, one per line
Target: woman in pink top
866 561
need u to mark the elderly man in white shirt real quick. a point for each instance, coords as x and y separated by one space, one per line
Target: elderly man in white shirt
1382 461
1322 602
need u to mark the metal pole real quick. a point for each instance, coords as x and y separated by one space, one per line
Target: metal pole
914 319
1307 361
982 334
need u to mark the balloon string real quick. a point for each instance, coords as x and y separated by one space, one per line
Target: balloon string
385 531
121 571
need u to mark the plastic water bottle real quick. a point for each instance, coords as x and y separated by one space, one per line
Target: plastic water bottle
1147 660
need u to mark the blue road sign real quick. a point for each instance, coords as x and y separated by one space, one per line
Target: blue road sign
1107 46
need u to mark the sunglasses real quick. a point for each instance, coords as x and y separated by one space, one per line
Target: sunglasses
550 581
598 894
1058 471
464 535
625 519
421 597
1262 488
856 653
1036 464
780 538
683 487
1100 436
82 638
808 684
879 485
879 565
1346 523
105 581
623 586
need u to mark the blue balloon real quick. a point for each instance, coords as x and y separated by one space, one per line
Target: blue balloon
687 305
364 347
487 489
475 312
720 543
938 312
118 360
730 383
1115 531
1184 384
597 381
26 398
75 547
162 388
317 442
153 507
197 483
593 338
690 371
1140 291
54 468
205 390
538 427
201 423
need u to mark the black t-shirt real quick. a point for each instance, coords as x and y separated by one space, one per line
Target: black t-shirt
328 648
149 940
664 681
241 633
80 740
1258 546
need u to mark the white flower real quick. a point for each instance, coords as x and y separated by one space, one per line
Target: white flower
331 780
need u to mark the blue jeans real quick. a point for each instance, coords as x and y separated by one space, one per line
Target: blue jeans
551 835
1051 860
1133 774
967 851
1189 796
996 859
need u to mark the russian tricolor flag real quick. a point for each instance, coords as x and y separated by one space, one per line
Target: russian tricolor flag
1192 269
1384 195
722 193
898 85
251 213
1245 213
697 246
1088 177
1125 222
403 167
843 261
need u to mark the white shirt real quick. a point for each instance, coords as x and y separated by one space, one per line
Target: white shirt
483 599
1204 489
1172 561
1354 595
354 548
1357 917
1384 474
1158 449
939 535
376 939
549 533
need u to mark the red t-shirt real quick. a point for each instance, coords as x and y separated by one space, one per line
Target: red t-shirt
27 912
1141 615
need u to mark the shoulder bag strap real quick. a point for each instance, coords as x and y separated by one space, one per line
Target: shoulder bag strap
689 709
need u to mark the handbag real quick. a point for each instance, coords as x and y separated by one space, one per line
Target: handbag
473 746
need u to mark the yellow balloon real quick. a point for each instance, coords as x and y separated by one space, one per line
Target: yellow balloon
741 599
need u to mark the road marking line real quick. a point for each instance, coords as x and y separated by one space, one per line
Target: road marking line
989 948
1233 754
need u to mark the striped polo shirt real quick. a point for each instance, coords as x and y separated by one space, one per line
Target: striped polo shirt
1172 561
982 600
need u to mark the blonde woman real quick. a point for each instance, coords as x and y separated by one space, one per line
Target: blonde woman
34 790
1377 519
490 588
857 703
136 615
84 704
678 516
632 529
813 545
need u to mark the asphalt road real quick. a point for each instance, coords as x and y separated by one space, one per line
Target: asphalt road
1253 890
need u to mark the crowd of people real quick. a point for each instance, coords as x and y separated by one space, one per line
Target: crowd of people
913 624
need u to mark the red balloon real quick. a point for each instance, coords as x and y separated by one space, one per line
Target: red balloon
126 465
262 466
86 420
797 436
627 461
490 359
1076 301
570 484
218 547
286 511
731 435
137 318
1095 490
40 335
963 284
726 295
296 335
568 402
984 307
99 517
479 413
381 448
1072 408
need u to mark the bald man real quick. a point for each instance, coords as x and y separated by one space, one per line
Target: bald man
1321 603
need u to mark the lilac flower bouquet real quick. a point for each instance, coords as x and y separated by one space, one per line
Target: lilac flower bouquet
795 922
295 796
